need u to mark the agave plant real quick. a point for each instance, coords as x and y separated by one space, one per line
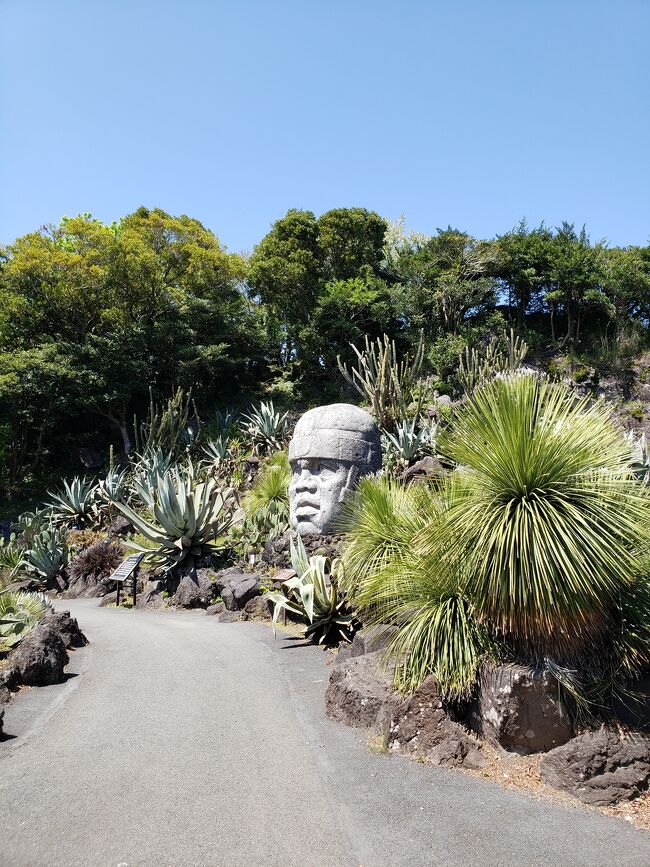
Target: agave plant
20 611
149 470
216 450
114 486
410 440
10 553
75 504
48 554
266 427
225 423
185 520
640 456
313 594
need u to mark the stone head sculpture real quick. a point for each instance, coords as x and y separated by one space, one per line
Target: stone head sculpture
331 448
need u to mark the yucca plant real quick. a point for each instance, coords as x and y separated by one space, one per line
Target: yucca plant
75 504
48 554
266 505
266 427
20 611
545 516
314 596
185 519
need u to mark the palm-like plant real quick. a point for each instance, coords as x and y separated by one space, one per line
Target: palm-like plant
75 504
313 594
266 505
545 515
184 521
266 427
20 611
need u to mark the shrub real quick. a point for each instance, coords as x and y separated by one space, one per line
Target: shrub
96 562
184 521
314 596
267 503
545 517
20 611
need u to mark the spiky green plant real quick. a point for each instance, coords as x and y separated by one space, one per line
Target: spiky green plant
10 553
20 611
477 367
545 516
313 595
167 427
148 471
216 450
48 554
410 440
75 504
266 426
185 519
266 505
30 524
386 381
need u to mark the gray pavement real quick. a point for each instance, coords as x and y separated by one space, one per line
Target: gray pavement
182 741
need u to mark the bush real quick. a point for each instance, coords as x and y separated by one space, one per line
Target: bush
19 613
267 504
96 562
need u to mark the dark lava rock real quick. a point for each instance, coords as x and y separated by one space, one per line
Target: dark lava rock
344 653
426 469
359 694
371 640
151 594
600 768
421 726
236 587
67 627
277 552
258 608
40 657
229 616
519 709
25 584
217 608
120 526
195 590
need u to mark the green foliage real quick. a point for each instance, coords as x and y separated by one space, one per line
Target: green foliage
314 596
167 428
545 515
410 440
185 520
266 505
20 611
476 368
10 553
75 504
266 427
48 553
385 380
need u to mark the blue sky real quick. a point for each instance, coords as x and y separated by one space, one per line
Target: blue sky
472 113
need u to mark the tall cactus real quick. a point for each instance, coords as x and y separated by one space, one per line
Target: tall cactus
166 428
475 368
386 381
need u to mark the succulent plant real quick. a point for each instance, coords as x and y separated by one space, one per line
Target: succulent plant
184 520
408 441
476 368
216 450
48 554
10 553
20 611
75 504
30 524
266 427
313 595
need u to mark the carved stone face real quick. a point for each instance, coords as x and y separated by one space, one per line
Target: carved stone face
316 491
331 447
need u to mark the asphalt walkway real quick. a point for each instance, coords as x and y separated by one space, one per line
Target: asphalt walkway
182 741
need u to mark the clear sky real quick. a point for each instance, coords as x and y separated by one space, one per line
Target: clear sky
472 113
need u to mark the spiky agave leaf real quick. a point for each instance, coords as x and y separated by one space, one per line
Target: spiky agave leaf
545 515
74 504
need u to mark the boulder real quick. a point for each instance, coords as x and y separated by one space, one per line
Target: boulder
120 526
40 657
424 470
67 628
217 608
344 653
258 608
236 587
150 596
195 590
25 584
371 640
519 709
360 694
421 726
600 767
229 616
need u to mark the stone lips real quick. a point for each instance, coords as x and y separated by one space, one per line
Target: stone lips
340 432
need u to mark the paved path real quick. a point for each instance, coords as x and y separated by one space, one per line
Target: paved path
182 741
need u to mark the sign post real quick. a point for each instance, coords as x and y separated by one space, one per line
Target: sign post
124 571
